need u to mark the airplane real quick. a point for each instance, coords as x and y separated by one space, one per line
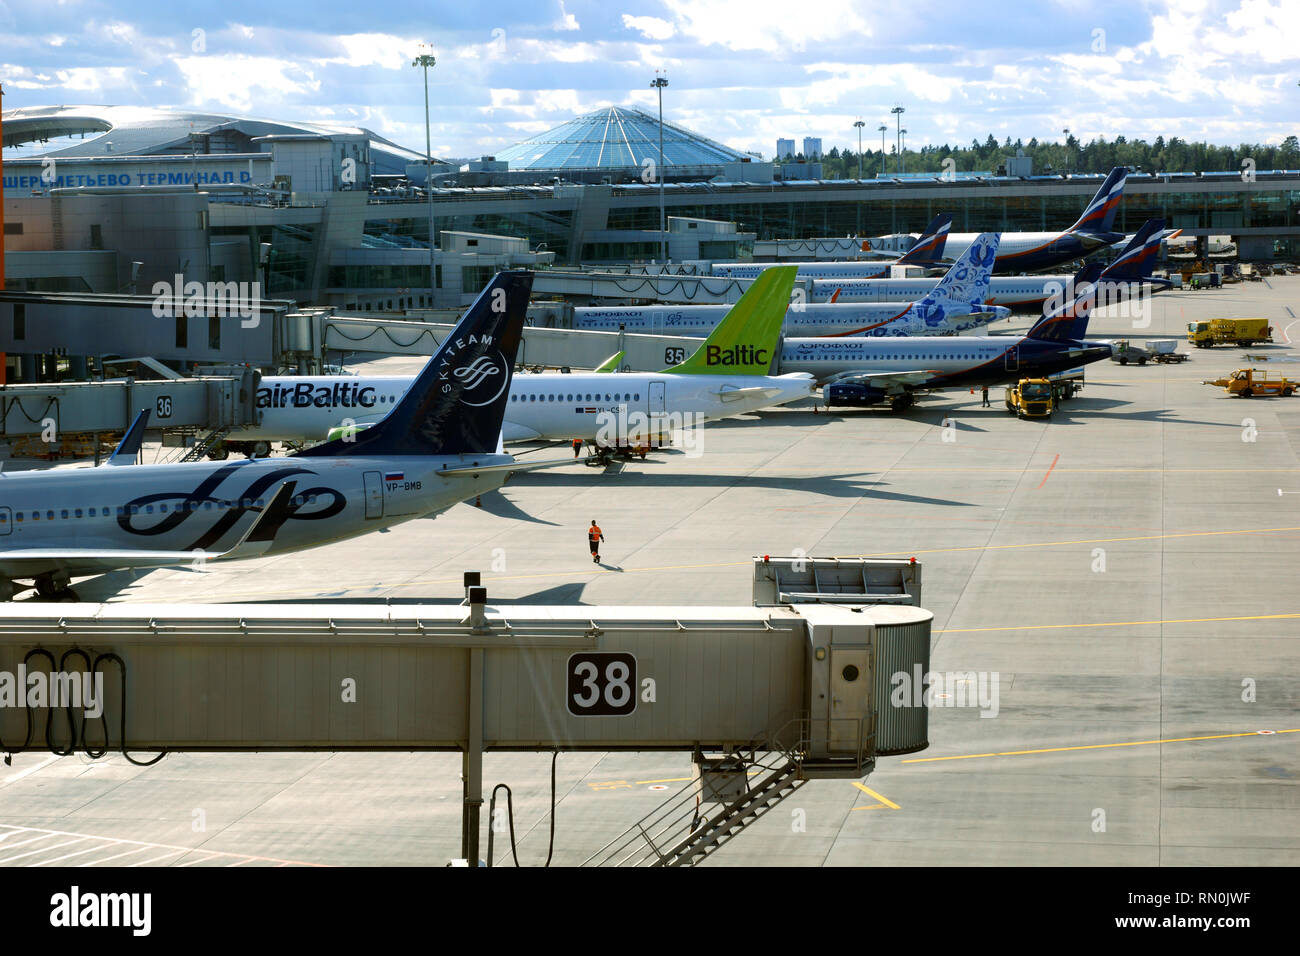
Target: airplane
860 372
727 376
1021 294
435 447
954 304
927 251
1036 251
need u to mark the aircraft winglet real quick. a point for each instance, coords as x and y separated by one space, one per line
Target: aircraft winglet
128 449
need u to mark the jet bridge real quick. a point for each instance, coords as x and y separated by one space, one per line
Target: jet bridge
790 690
549 347
189 404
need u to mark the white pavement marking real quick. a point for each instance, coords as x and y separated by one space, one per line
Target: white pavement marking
8 830
22 773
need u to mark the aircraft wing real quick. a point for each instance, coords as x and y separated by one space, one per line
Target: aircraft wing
510 431
753 391
890 382
512 467
256 539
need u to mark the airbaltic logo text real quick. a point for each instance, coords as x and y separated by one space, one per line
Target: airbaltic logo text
59 689
306 395
76 909
212 299
740 355
951 689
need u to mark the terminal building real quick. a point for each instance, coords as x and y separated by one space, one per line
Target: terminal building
115 199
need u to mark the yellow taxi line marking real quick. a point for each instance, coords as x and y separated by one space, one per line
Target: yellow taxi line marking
1130 743
884 800
874 806
1057 627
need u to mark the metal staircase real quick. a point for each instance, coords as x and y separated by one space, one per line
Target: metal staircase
679 833
200 447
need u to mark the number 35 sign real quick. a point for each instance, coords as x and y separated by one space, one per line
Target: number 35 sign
601 684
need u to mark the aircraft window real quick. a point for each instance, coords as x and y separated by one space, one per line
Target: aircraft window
568 398
63 513
207 505
638 396
36 516
532 398
49 516
162 508
607 397
148 509
312 498
76 513
121 510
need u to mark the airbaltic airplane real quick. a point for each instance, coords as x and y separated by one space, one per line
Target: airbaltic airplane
927 251
954 304
1036 251
863 372
437 446
1017 293
726 376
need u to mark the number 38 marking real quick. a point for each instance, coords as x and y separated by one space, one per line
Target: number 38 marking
601 684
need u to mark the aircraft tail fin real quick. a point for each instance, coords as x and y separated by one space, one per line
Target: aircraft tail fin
745 341
1138 259
1069 321
965 287
929 247
456 404
1099 214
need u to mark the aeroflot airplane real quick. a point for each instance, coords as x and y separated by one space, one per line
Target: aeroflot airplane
436 446
927 251
859 371
726 376
1036 251
954 304
1017 293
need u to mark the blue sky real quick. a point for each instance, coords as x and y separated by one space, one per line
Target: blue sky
740 71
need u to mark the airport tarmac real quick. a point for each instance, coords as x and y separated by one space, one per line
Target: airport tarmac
1127 571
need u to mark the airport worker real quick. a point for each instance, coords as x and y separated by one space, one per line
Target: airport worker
594 538
577 446
984 390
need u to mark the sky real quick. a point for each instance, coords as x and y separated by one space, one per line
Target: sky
743 72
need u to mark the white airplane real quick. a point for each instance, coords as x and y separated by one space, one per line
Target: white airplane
1036 251
435 447
725 377
928 250
1013 293
956 303
862 372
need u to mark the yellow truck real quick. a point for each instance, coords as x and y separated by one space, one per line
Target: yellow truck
1242 332
1031 398
1250 383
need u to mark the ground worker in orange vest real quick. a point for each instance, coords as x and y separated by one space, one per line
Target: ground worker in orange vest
594 538
577 446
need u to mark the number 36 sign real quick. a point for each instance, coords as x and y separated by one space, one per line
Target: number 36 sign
601 684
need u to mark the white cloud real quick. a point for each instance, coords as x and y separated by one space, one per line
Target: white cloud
567 20
373 49
652 28
772 26
244 83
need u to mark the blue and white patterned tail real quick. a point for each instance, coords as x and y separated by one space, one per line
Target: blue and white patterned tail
965 287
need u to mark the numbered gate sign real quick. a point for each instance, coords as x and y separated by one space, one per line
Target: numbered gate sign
163 406
601 684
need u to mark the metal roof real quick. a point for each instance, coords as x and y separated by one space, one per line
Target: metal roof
40 131
616 138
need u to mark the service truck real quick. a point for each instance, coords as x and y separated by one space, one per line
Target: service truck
1242 332
1031 398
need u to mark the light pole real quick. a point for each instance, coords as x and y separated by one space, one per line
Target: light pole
659 83
903 140
884 169
898 135
859 124
426 60
1066 131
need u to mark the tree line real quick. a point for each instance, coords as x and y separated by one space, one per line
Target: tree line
1173 155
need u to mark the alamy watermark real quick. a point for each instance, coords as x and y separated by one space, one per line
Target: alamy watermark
213 299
